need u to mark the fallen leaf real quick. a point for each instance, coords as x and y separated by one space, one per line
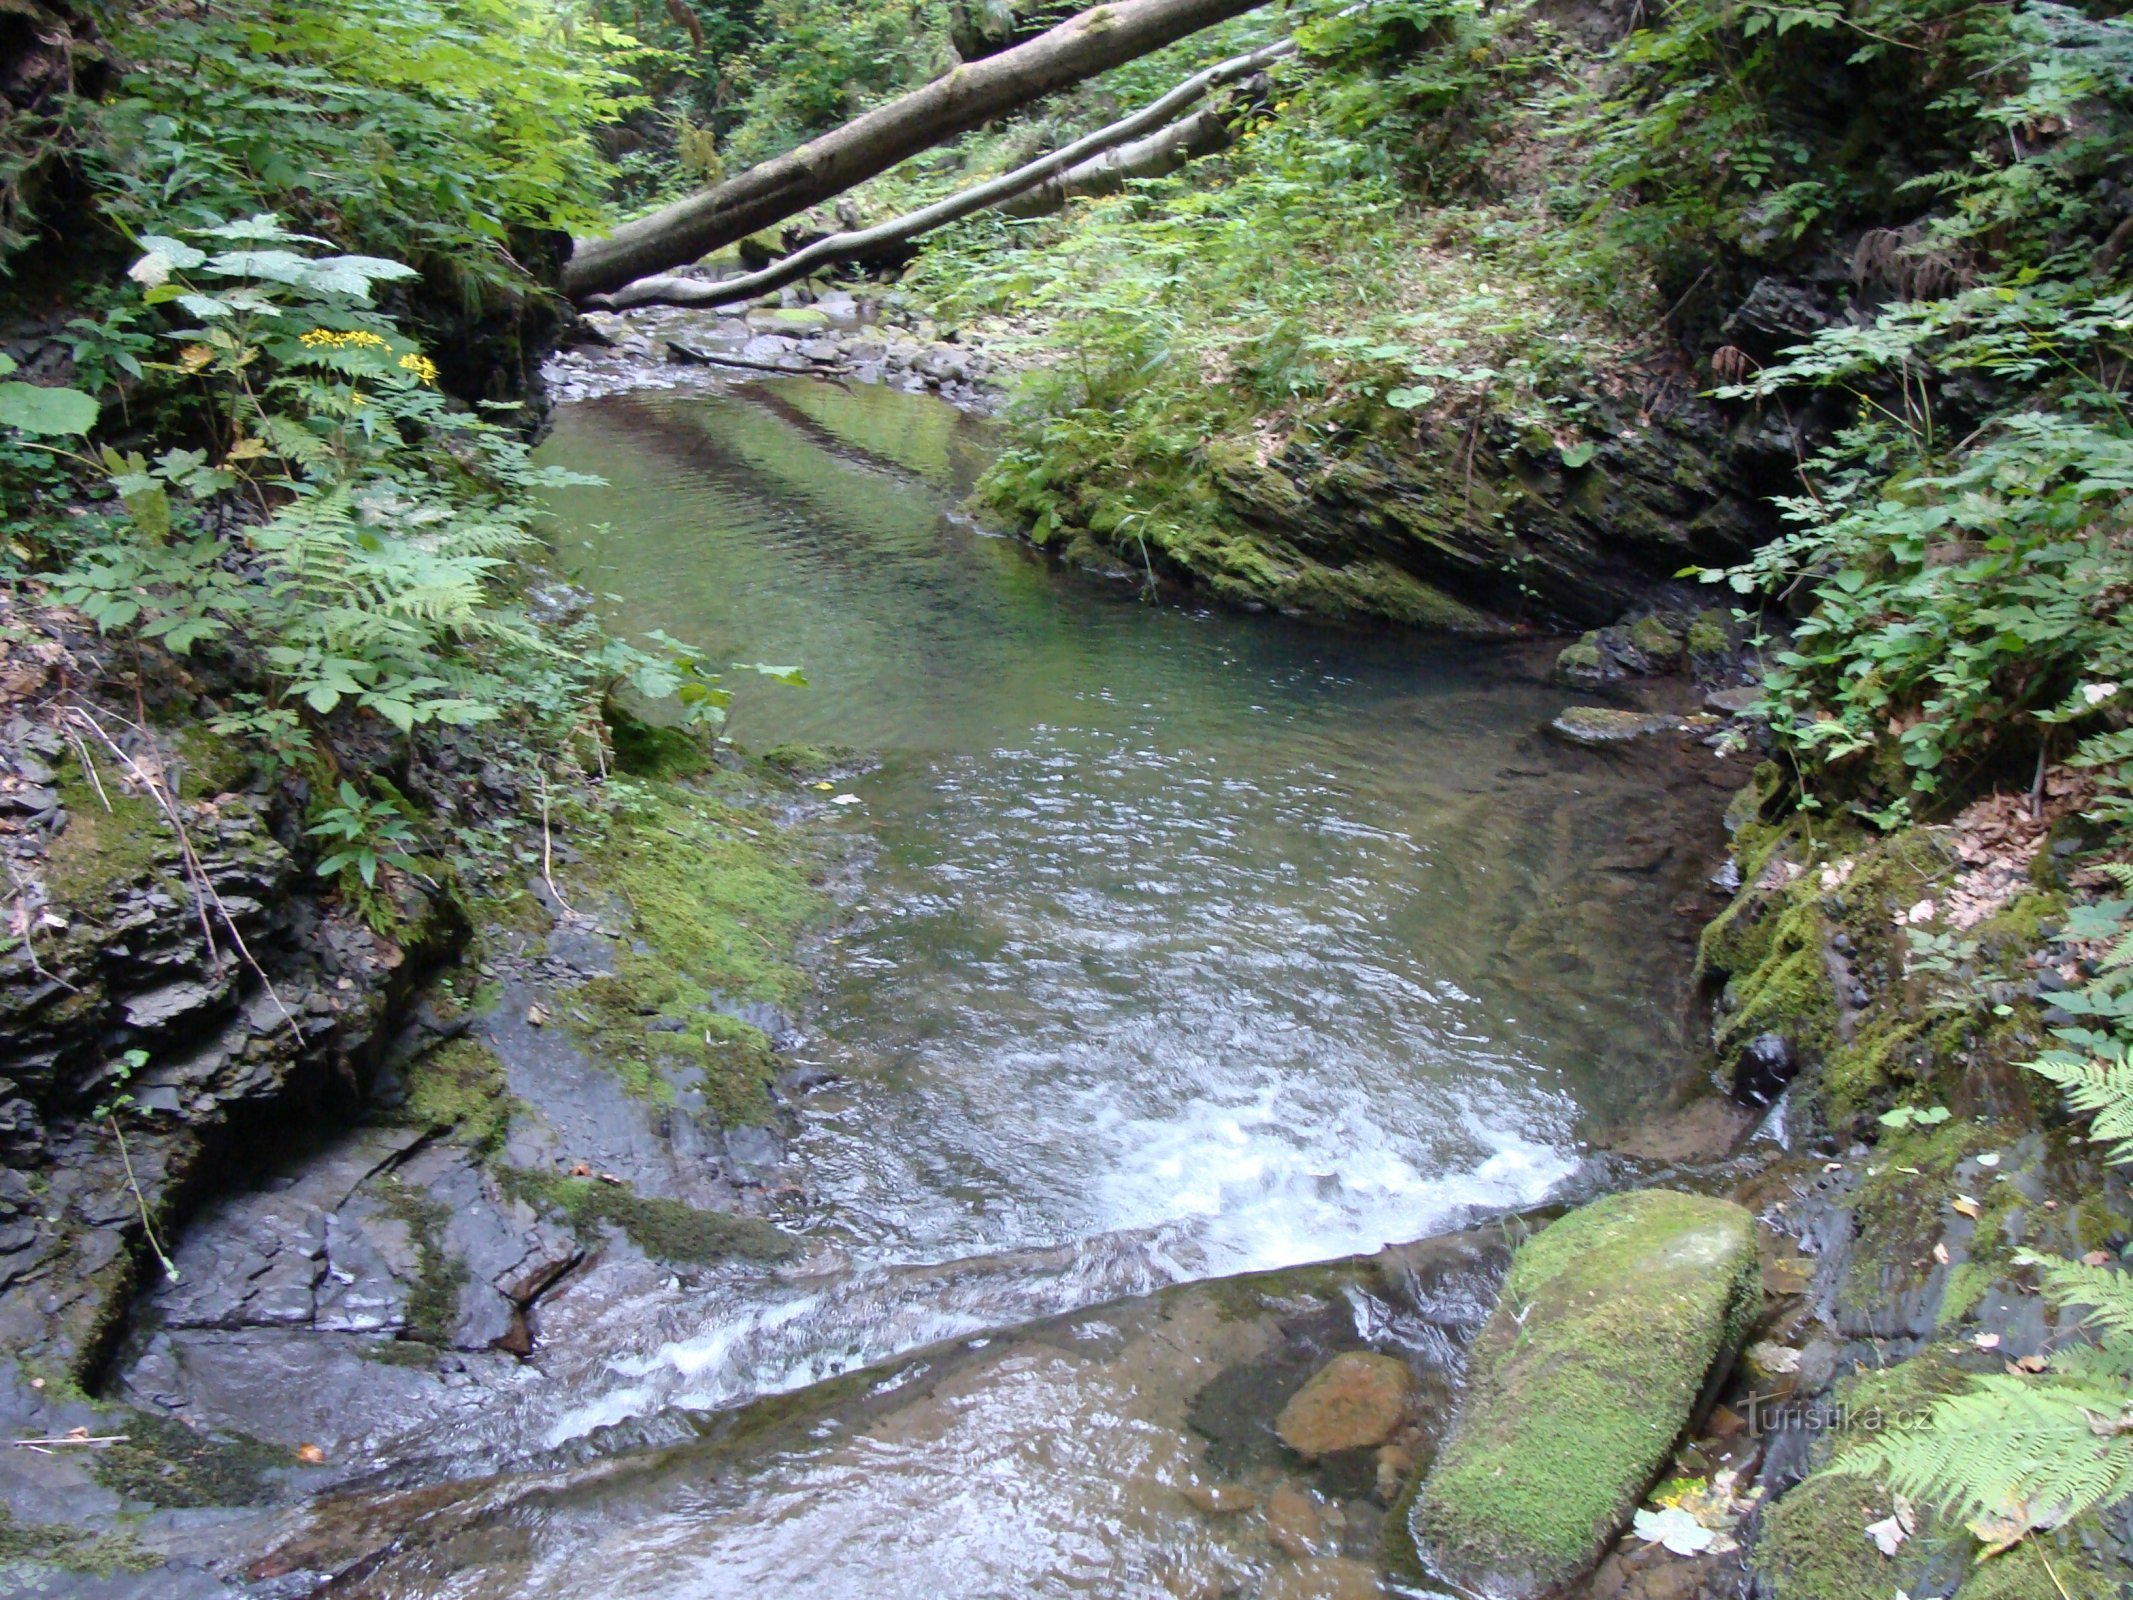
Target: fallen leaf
2096 1258
2028 1364
1991 1158
537 1015
1774 1358
1940 1254
846 800
310 1455
1964 1205
1987 1341
581 1170
609 1177
825 784
1675 1529
1888 1535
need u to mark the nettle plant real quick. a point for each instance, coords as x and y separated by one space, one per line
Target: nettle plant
346 524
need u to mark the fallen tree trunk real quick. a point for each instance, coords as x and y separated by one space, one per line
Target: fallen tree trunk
1095 163
971 95
1156 155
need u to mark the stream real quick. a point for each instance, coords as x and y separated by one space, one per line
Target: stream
1212 972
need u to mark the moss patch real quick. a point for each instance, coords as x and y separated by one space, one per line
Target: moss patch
666 1230
460 1085
101 850
1609 1322
1814 1544
165 1463
644 750
51 1544
433 1301
717 896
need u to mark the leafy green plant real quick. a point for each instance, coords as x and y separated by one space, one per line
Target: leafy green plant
364 834
314 111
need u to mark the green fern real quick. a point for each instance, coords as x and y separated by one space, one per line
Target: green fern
2011 1454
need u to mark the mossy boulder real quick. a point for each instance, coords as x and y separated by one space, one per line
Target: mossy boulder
1657 640
1611 1326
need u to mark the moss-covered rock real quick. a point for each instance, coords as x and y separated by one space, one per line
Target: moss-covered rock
1609 1327
667 1230
1657 641
1601 725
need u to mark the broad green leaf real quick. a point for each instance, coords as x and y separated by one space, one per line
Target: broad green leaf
46 411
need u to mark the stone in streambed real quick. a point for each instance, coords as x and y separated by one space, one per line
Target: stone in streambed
1356 1401
1598 725
1610 1324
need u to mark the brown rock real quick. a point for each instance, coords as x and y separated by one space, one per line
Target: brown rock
1324 1578
1221 1498
1354 1402
1300 1523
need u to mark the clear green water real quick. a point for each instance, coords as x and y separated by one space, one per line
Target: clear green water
1195 943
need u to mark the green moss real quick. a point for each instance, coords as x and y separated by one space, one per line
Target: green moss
213 764
1580 660
102 849
2049 1566
433 1302
666 1230
1707 636
1902 1206
165 1463
717 896
1814 1544
51 1544
798 760
1655 639
460 1085
1599 1347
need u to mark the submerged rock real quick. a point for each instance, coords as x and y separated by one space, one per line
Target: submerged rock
1354 1402
1599 725
1594 1360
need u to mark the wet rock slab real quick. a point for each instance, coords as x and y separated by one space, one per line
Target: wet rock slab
1129 1448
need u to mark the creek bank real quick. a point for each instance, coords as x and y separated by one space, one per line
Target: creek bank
377 1160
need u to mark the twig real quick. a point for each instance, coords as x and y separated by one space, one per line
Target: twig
97 1441
548 847
170 1267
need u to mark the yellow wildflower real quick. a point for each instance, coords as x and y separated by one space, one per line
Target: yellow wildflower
326 338
421 366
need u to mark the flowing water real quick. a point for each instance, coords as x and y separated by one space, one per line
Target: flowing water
1196 944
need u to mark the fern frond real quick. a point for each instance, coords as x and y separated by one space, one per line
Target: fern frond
2105 1290
2099 1086
2042 1450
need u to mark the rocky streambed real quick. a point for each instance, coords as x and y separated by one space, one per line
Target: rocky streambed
686 1220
